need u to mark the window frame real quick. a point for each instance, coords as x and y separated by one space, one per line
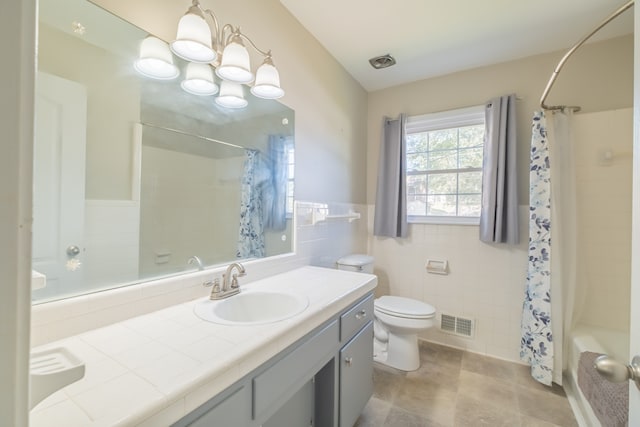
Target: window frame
451 119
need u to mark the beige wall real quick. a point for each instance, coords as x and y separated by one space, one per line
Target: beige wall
597 77
330 107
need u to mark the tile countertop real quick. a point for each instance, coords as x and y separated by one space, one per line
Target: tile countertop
153 369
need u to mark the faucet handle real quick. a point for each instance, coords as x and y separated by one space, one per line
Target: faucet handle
234 280
215 286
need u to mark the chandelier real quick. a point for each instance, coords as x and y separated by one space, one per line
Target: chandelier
206 49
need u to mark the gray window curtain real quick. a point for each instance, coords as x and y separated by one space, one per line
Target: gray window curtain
499 213
390 216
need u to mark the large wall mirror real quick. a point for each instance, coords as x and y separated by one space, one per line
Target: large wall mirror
134 177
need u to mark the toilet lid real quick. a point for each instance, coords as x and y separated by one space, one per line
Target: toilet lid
404 307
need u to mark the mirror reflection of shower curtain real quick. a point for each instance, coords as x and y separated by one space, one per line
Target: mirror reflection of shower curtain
264 197
251 233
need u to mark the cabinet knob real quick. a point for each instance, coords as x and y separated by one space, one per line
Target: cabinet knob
348 361
361 314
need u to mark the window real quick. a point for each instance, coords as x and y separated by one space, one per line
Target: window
444 166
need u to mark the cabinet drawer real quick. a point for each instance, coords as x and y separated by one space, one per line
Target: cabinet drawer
353 320
273 387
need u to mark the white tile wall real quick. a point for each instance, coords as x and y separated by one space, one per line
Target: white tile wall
604 216
486 281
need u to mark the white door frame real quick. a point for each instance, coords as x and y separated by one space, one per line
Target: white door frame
634 330
18 46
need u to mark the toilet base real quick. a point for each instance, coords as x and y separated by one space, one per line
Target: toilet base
404 354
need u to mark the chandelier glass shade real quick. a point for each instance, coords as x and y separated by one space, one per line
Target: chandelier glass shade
198 80
155 60
207 47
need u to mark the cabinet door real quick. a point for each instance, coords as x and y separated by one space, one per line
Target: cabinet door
232 411
356 375
298 411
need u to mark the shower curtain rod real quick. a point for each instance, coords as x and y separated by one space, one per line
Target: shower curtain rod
570 52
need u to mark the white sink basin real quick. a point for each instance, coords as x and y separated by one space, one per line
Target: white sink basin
252 308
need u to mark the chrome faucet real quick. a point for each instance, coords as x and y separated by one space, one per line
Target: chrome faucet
197 261
228 287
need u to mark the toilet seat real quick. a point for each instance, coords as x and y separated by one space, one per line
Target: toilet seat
404 307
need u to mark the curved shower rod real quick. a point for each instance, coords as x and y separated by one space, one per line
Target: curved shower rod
570 52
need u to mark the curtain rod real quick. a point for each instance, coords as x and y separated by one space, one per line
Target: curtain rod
570 52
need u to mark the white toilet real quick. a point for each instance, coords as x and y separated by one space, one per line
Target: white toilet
397 321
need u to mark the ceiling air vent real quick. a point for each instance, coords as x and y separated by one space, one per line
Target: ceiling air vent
382 61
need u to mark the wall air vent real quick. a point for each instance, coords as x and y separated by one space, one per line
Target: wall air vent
457 325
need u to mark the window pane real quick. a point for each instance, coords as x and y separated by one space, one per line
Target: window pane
416 205
470 182
439 160
416 184
416 162
469 205
442 183
471 136
443 139
471 158
417 142
441 205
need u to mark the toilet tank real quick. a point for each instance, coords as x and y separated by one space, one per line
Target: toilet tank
356 262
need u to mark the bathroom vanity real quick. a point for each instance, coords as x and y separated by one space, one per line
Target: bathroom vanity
170 367
324 379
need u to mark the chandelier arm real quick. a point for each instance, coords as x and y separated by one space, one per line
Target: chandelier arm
232 31
262 52
216 26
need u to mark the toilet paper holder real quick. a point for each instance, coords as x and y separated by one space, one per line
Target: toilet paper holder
435 266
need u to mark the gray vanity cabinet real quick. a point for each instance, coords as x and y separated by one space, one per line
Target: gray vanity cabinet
356 376
233 408
323 380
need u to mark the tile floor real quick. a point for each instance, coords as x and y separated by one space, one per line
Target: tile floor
457 388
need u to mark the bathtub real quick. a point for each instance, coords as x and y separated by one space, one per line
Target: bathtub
598 340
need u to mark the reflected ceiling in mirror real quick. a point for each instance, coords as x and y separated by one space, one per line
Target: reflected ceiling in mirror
134 176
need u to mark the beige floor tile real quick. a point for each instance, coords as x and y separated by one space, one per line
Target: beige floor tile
527 421
429 400
476 413
489 390
386 383
545 406
454 387
374 414
400 418
488 366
